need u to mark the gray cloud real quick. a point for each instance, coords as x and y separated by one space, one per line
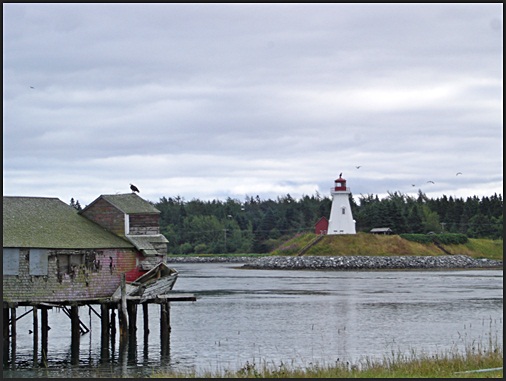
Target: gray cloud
214 100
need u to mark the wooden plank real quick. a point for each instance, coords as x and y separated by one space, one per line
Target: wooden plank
6 335
13 334
35 336
122 310
44 334
75 334
179 297
165 298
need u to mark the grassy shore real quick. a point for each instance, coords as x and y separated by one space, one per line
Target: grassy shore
386 245
475 363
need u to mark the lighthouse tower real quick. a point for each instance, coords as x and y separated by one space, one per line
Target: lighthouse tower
341 220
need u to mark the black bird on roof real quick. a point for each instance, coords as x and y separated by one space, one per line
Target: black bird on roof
134 188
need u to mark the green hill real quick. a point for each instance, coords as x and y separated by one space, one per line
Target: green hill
384 245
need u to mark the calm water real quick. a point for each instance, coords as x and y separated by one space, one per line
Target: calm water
298 318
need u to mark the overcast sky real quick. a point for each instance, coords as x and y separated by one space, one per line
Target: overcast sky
210 101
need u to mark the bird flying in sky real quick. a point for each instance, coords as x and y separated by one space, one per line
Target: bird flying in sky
458 173
134 188
358 166
430 181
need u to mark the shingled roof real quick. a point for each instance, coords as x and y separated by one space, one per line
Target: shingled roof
146 243
128 203
40 222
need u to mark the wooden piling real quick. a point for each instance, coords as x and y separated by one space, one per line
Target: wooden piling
123 314
164 327
113 322
146 319
44 335
76 334
5 331
13 335
104 332
113 331
128 344
35 333
132 317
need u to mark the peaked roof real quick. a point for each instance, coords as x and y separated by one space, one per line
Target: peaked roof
40 222
129 203
380 230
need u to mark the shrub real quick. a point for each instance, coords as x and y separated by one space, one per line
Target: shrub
444 238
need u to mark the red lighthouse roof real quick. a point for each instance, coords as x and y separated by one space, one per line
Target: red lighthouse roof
340 183
340 177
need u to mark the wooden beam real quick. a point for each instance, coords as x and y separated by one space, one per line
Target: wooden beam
13 334
165 328
35 333
104 337
76 334
146 319
123 314
132 317
6 334
44 335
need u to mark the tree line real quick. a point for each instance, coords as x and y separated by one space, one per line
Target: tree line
258 226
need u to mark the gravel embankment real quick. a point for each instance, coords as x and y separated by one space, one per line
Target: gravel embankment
349 262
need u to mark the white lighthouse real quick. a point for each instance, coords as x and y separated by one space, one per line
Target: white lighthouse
341 219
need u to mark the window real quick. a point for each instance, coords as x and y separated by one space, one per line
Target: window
38 262
343 210
10 261
69 263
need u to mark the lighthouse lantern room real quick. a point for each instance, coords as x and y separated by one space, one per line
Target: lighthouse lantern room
341 219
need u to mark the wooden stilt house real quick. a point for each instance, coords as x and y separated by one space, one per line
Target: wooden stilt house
53 253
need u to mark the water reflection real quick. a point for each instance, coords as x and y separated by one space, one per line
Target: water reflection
292 317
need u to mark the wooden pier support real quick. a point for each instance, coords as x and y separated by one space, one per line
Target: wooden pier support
164 327
6 333
44 330
146 319
113 323
13 321
128 344
35 333
104 332
132 317
75 334
123 314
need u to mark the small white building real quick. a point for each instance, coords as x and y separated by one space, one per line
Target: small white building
341 219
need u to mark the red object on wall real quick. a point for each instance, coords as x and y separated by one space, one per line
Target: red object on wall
132 275
321 226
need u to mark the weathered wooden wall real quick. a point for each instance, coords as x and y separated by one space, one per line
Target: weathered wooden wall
108 216
97 276
144 224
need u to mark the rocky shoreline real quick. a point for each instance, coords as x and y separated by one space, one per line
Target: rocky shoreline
349 262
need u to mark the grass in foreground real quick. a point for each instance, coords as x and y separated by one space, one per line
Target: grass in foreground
473 364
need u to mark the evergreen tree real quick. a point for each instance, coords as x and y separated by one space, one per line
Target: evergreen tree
258 225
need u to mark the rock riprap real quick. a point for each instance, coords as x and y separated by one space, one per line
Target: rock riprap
348 262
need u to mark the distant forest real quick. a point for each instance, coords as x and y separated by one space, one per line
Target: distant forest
259 226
